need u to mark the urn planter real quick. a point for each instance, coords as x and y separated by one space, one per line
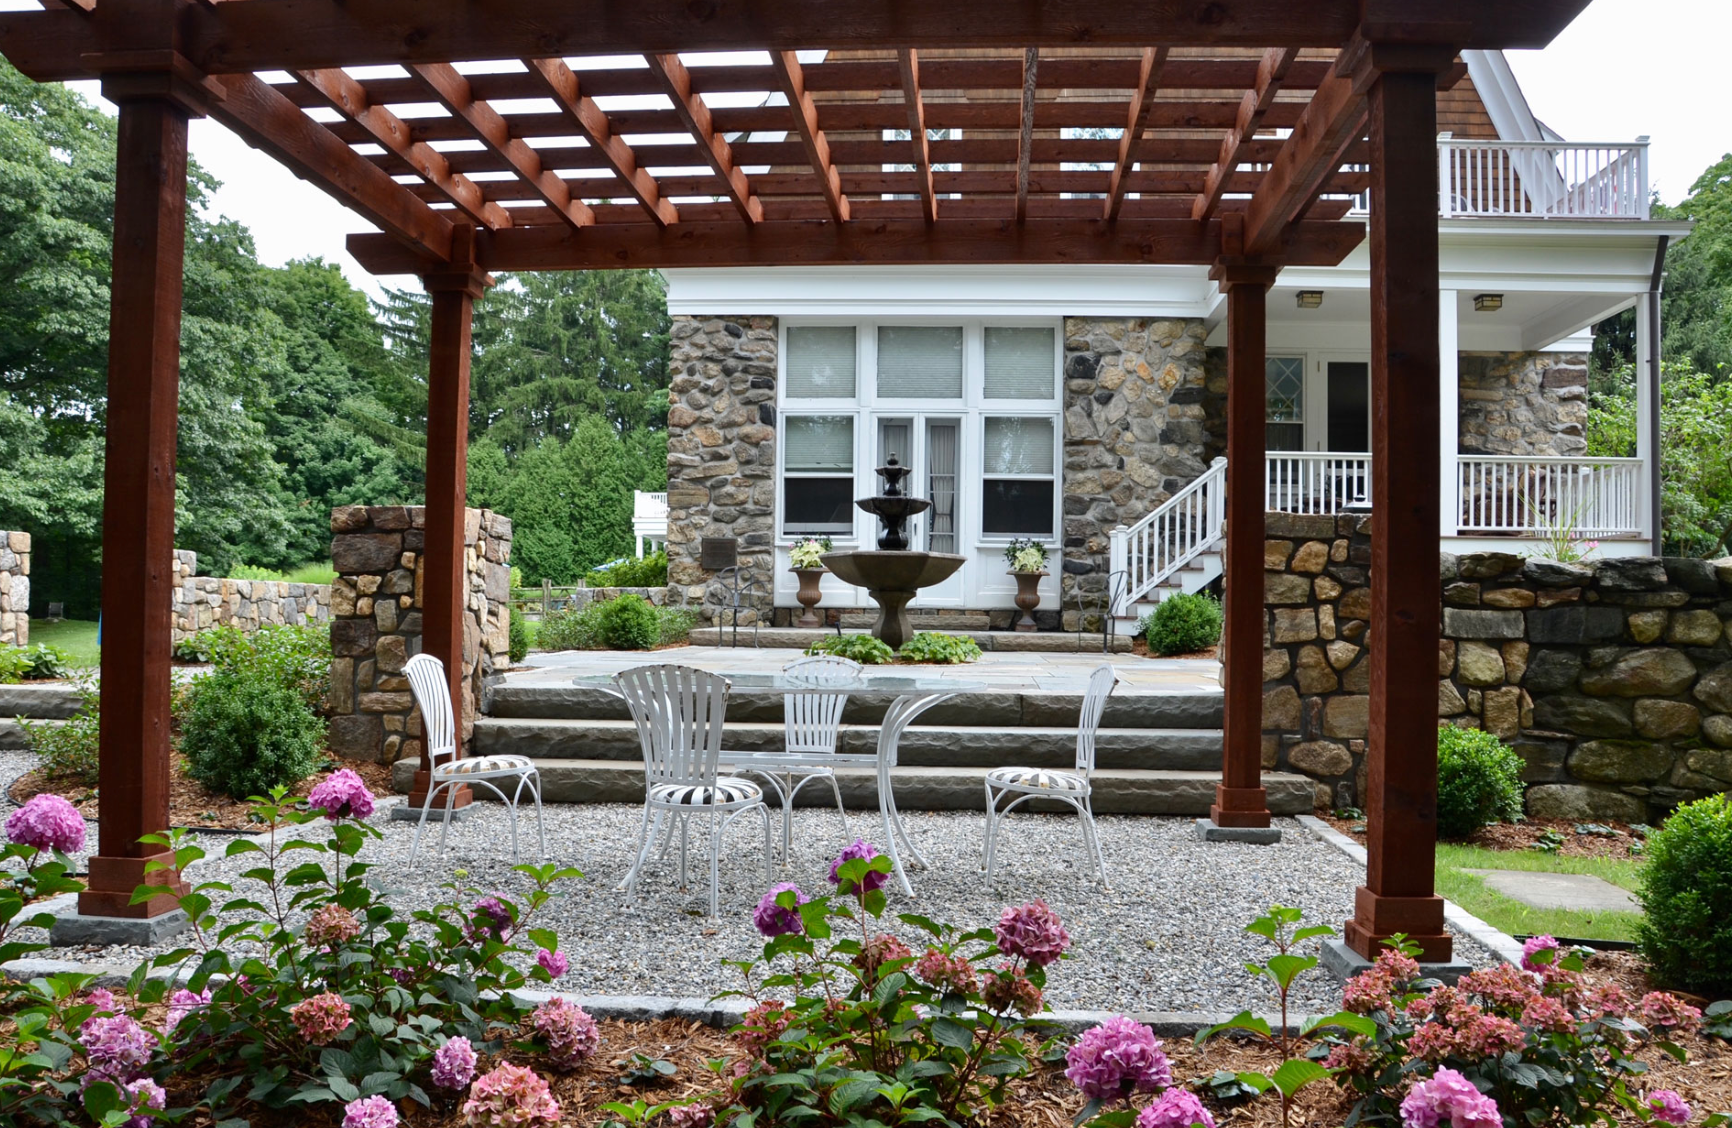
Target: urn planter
808 595
1028 597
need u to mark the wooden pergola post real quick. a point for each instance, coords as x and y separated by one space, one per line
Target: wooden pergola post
1401 802
444 578
1241 803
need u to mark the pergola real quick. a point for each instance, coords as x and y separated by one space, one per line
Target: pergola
1235 132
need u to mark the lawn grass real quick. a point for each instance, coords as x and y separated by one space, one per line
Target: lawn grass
1626 873
315 572
75 636
1511 916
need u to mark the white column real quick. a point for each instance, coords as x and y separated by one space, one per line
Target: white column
1449 411
1647 440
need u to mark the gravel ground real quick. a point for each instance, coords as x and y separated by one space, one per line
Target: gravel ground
1167 937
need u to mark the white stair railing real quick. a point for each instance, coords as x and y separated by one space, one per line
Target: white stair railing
1182 528
1537 496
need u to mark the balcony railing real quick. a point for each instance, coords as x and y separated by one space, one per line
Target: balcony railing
1542 178
1582 497
1303 481
649 519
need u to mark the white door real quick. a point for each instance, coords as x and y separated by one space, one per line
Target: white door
930 448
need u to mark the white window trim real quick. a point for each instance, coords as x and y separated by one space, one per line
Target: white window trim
851 535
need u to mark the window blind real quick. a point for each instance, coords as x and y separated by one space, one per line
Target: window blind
820 362
818 443
1018 446
1019 363
920 362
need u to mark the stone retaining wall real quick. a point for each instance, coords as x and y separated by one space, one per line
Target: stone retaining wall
1611 678
376 624
204 602
14 589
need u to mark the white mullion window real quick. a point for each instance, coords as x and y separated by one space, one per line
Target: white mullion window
818 474
1019 481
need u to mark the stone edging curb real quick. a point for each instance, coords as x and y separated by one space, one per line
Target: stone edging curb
1501 944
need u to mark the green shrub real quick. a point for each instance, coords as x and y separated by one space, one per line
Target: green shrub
253 572
676 624
68 749
629 622
1182 624
1686 932
651 571
938 647
314 572
1479 781
33 663
519 637
573 628
210 645
864 649
246 732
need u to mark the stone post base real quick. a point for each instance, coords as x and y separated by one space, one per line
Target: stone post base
1209 831
76 929
1344 963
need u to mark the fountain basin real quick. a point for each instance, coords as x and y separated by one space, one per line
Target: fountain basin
892 578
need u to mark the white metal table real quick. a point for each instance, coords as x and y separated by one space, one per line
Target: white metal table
914 695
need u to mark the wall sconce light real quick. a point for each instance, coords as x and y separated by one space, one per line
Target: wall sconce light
1487 303
1310 299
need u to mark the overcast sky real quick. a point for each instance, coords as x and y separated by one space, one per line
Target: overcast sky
1624 68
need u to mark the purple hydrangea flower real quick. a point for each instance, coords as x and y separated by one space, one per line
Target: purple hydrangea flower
570 1032
454 1064
1176 1108
117 1049
1668 1106
103 1000
1534 945
492 918
772 919
181 1004
1117 1058
1033 932
552 962
342 794
147 1097
865 851
47 822
1449 1098
370 1112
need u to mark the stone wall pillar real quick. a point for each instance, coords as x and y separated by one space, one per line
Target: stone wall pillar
1523 403
1135 433
14 589
722 459
377 621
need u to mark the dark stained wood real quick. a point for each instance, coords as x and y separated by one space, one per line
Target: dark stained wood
579 109
1252 110
1312 153
1401 800
796 243
793 86
138 504
453 92
1149 74
1025 140
717 153
915 108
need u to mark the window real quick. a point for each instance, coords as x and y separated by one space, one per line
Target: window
1020 364
821 362
920 362
1018 488
818 474
1284 392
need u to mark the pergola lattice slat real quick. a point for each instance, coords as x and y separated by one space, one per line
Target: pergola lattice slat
580 110
1252 109
793 86
716 151
914 106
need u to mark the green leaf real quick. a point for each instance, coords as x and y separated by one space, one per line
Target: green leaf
1347 1020
1244 1020
1287 968
1260 1082
949 1032
1297 1073
544 938
1312 931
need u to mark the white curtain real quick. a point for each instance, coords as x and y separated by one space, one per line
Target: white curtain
941 486
920 362
816 443
1018 446
1020 363
820 362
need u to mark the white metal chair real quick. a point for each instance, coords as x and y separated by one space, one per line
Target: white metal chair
1072 787
810 725
679 712
450 771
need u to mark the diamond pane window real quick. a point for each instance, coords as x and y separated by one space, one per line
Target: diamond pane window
1285 384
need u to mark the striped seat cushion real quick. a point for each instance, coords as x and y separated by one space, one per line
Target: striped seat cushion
727 790
480 765
1043 779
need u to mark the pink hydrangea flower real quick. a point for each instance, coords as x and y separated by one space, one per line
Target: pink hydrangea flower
1033 932
103 1000
762 1025
181 1004
370 1112
331 925
1607 1000
1350 1057
1116 1058
1545 1013
948 973
1432 1042
1009 989
1539 953
570 1032
552 962
1668 1106
1398 965
511 1096
1488 1036
692 1116
1502 985
116 1048
1176 1108
772 919
321 1018
454 1064
146 1097
880 950
865 851
1667 1012
47 822
1449 1098
342 794
1369 991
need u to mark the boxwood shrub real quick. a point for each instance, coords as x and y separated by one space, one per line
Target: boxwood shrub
1182 624
1686 932
1479 781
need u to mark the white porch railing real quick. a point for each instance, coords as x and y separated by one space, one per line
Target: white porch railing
1531 496
649 519
1177 532
1542 178
1304 481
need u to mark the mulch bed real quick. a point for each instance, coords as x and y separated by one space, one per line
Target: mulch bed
1140 648
190 803
1522 836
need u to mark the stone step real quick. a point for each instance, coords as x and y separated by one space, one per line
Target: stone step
1047 642
1128 791
1186 749
48 701
1010 707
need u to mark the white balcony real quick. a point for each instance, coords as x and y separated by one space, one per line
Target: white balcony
649 520
1542 179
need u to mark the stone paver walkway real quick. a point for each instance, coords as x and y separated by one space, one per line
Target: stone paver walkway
1581 891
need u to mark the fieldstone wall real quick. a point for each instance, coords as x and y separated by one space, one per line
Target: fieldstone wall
1524 403
14 589
1611 678
203 602
1135 432
376 624
722 458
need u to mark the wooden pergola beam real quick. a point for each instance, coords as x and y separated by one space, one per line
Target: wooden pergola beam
1130 141
909 63
1025 140
690 107
453 92
592 122
1311 154
349 98
269 122
793 81
1252 109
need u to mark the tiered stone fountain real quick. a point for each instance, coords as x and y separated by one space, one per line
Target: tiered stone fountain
892 575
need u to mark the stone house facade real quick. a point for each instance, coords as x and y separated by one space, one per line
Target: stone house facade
14 588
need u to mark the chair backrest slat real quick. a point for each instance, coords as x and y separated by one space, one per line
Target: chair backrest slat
679 712
811 720
433 694
1094 704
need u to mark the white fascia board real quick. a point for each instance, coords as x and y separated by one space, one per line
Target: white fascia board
1502 95
939 291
